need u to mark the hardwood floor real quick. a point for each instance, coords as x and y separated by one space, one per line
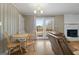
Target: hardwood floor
42 47
74 46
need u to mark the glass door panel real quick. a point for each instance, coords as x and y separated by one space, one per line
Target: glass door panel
48 25
39 27
43 26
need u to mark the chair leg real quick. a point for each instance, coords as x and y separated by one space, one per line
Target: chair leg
34 46
21 49
9 51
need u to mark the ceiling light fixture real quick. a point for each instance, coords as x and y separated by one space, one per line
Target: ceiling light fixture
38 9
41 11
35 11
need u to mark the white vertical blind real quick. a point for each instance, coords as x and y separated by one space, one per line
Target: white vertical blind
1 19
21 24
9 16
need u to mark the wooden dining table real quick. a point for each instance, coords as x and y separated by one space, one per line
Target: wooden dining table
21 38
20 35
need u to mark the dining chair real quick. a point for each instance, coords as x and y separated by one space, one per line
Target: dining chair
29 43
10 44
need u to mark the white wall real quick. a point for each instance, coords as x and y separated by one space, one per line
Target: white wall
71 21
59 23
71 18
29 25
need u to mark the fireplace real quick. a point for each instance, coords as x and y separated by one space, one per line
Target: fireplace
72 32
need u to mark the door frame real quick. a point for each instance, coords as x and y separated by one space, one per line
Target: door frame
44 26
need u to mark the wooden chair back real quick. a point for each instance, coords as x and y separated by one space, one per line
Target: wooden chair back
6 37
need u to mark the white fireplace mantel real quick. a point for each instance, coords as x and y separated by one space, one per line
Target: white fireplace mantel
71 22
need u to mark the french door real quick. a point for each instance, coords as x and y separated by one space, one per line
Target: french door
43 26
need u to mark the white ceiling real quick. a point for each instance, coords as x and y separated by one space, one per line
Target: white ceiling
48 8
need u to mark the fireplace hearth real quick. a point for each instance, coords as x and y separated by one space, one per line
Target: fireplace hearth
72 32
